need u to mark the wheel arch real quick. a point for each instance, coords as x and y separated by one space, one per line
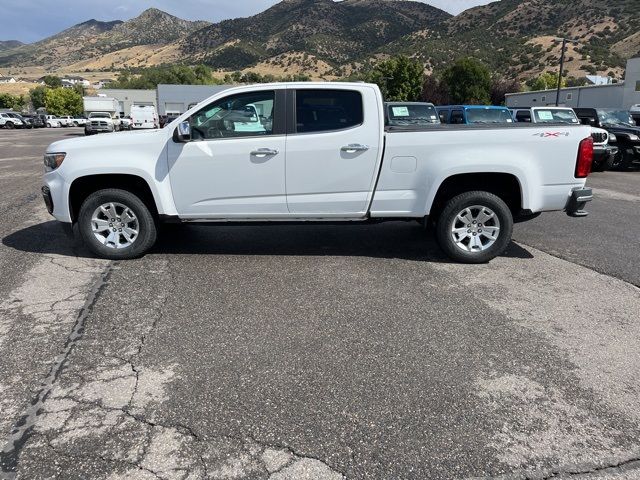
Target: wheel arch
84 186
507 186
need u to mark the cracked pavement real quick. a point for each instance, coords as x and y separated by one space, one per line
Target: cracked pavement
317 352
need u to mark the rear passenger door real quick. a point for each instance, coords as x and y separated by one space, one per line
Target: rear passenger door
333 149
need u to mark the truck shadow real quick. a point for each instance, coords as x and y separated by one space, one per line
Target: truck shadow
401 240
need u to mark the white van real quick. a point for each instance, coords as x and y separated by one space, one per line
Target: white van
144 116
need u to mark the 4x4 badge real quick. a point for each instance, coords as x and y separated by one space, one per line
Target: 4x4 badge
551 134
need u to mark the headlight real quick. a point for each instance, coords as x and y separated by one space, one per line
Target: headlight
612 138
53 160
633 138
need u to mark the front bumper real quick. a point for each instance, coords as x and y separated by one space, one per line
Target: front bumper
578 200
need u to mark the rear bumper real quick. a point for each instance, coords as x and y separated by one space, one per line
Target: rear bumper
577 201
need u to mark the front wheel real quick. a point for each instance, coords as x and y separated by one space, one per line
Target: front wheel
116 224
474 227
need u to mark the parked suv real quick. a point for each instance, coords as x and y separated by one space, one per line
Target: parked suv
26 122
619 123
7 121
474 114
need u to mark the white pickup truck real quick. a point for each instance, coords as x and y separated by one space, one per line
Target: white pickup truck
321 153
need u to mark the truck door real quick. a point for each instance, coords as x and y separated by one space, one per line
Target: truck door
234 166
333 150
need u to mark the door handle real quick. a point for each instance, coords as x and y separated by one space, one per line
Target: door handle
355 147
263 152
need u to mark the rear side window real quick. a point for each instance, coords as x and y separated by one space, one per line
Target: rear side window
523 116
326 110
457 117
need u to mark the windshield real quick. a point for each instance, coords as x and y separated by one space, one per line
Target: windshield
488 115
412 114
99 115
615 117
552 115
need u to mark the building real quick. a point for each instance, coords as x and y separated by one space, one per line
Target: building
7 79
177 99
75 80
621 95
126 98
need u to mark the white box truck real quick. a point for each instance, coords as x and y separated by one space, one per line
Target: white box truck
102 115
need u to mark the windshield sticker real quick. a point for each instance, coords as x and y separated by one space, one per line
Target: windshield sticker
400 111
545 115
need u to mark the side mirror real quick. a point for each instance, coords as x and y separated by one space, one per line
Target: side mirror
182 133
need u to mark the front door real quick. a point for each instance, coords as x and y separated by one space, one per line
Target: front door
234 166
333 151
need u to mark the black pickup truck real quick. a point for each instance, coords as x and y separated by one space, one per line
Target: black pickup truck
619 123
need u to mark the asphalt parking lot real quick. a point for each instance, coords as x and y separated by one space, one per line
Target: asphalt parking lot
318 352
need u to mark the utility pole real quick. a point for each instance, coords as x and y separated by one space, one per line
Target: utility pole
562 51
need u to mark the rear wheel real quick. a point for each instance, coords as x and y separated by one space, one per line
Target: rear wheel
474 227
623 159
9 125
116 224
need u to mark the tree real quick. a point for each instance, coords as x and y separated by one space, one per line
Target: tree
546 81
37 97
63 101
468 81
15 102
500 87
399 78
52 81
435 91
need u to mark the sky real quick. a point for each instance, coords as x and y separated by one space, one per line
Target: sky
32 20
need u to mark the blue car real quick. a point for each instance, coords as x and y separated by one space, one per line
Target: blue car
473 114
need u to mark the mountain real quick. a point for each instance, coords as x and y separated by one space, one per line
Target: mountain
329 39
516 36
94 39
8 44
333 32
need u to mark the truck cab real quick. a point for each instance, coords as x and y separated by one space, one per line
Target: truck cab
474 114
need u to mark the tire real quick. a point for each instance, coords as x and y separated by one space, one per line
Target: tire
75 124
124 203
606 164
467 251
623 159
48 125
9 125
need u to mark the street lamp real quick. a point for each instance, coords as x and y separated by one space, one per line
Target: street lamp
564 47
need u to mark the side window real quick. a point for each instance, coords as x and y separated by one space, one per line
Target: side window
444 116
457 117
326 110
523 116
242 115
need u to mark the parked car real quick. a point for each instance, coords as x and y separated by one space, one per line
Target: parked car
126 123
474 114
619 123
7 121
53 121
167 119
604 153
401 114
341 166
35 120
26 123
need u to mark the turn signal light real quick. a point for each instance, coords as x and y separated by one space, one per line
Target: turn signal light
585 158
